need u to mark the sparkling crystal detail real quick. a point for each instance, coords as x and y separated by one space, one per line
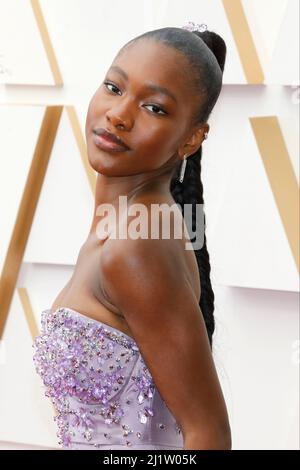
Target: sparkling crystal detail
142 417
65 355
85 367
191 26
177 428
87 435
145 414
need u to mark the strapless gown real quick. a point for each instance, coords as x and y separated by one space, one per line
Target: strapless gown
97 380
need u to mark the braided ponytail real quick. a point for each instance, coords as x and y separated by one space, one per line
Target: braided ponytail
190 191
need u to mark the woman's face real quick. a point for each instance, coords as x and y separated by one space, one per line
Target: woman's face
152 123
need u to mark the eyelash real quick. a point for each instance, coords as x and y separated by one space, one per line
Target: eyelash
153 105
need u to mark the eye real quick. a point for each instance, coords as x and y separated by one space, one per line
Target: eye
112 85
157 107
154 106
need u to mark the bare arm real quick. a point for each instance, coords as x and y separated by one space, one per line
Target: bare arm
145 279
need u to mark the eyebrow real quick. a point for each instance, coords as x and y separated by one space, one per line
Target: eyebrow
149 85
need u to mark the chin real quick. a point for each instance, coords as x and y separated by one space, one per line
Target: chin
105 169
99 161
100 168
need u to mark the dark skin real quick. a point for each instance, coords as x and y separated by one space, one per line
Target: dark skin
150 288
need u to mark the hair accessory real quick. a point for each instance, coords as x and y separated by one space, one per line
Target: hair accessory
191 26
182 170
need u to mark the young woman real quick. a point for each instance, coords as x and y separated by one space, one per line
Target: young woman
126 348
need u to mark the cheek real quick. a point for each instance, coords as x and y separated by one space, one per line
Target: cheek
89 117
158 144
93 104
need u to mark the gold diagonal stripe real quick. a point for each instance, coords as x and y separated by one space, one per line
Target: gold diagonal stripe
46 42
244 41
29 315
283 182
91 175
26 211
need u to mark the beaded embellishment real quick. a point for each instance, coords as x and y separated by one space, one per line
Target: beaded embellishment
84 373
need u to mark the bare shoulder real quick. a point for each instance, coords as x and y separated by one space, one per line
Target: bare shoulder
145 279
154 211
158 262
154 264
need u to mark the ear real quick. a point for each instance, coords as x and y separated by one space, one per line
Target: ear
194 141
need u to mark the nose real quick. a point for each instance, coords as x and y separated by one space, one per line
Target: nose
119 118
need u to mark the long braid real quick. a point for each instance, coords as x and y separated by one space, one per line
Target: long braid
190 191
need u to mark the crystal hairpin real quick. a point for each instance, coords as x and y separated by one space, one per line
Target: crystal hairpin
191 26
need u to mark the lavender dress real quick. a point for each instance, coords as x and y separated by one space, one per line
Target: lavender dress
104 394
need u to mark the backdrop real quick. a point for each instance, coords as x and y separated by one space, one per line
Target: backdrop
53 56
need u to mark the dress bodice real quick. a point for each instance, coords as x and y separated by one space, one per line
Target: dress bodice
103 392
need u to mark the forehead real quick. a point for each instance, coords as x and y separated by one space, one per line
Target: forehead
147 60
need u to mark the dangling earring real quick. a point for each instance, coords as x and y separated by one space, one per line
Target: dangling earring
182 170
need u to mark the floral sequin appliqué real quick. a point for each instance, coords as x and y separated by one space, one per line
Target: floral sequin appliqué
85 365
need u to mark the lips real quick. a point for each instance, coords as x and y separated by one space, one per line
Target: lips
110 141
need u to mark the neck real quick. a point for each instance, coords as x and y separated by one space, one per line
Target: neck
108 189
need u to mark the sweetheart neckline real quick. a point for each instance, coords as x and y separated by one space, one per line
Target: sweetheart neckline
93 320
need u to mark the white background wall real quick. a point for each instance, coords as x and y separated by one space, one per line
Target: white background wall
254 275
